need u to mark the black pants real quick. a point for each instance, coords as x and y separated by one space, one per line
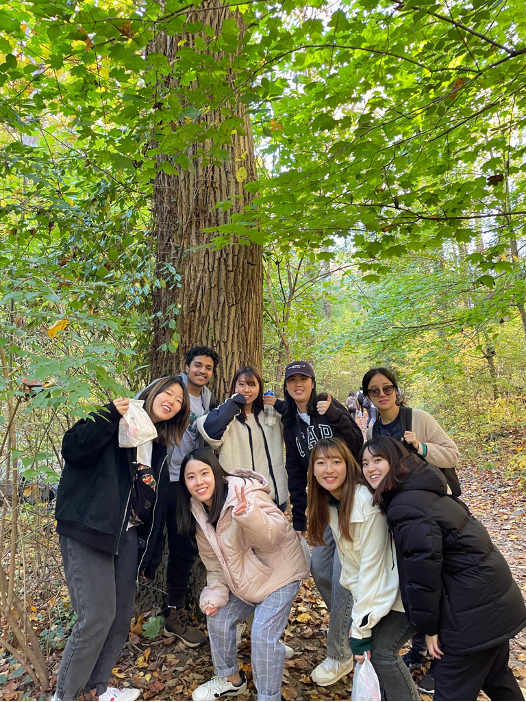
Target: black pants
183 552
462 677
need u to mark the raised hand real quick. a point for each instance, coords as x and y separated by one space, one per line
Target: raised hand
242 501
323 405
411 438
121 405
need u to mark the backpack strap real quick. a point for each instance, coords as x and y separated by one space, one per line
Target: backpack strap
406 419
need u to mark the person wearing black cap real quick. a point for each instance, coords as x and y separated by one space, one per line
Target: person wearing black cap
307 418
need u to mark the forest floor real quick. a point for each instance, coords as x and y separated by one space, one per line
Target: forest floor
165 669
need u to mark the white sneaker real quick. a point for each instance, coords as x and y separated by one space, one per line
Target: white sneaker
217 687
330 671
289 652
127 693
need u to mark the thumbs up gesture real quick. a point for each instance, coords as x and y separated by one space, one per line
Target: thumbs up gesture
323 405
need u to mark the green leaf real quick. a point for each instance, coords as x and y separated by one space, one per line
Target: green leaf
152 627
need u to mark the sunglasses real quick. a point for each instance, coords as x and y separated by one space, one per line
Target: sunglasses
387 390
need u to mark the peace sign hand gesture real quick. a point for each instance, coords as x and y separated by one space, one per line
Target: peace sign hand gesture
323 405
242 502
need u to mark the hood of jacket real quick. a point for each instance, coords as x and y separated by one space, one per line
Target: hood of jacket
421 476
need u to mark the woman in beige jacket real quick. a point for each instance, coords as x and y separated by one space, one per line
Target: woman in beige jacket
255 564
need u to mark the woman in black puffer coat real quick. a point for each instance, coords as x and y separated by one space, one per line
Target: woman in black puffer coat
456 586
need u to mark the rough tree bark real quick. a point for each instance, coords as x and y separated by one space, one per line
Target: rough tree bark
219 296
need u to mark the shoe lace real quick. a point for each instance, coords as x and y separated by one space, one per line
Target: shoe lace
184 617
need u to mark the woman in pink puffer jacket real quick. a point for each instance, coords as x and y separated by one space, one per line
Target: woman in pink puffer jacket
255 564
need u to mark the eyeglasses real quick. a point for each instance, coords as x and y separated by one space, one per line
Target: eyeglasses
375 392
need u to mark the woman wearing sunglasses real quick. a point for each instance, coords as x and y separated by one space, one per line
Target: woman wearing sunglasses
420 433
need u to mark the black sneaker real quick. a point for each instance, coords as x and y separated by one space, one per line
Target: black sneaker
412 659
427 684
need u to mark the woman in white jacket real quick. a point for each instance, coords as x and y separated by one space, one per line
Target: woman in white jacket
337 495
244 441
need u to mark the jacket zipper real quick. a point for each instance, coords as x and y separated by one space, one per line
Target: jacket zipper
152 522
123 521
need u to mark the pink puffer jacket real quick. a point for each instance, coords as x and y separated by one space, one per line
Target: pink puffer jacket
251 555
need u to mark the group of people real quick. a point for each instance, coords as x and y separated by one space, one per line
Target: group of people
356 404
395 554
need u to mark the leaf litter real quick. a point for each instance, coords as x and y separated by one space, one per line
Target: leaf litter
165 669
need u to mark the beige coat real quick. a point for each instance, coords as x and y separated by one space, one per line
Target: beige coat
251 555
368 564
442 451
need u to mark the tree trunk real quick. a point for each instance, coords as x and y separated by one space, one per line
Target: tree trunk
212 298
218 300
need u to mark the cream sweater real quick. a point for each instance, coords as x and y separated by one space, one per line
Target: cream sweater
368 562
442 451
235 451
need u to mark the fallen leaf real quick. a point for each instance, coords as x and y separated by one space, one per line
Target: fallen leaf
303 618
289 692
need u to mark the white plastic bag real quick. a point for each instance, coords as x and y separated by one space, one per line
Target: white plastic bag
365 686
136 427
359 414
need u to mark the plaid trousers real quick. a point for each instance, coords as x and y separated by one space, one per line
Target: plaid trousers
268 654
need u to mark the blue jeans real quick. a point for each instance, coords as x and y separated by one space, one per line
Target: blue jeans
102 591
326 569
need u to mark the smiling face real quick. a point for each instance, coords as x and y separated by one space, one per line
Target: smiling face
330 472
299 387
200 481
247 386
383 402
375 468
200 371
167 404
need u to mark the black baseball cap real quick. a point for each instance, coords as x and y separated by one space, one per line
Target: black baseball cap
301 367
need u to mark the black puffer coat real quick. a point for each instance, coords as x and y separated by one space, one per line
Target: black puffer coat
454 580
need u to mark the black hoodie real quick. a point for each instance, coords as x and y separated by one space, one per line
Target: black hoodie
453 579
93 499
299 439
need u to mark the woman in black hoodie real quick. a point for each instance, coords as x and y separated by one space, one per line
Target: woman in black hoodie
110 502
457 588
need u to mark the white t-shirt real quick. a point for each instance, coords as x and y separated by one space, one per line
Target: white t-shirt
305 416
189 440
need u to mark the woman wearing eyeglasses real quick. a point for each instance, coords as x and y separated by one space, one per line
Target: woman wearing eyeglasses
418 431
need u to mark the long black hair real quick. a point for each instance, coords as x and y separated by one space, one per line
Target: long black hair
185 520
169 431
395 454
291 408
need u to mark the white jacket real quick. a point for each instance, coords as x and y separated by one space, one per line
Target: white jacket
368 562
241 446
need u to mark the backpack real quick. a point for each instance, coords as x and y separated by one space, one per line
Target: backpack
406 424
359 397
367 403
